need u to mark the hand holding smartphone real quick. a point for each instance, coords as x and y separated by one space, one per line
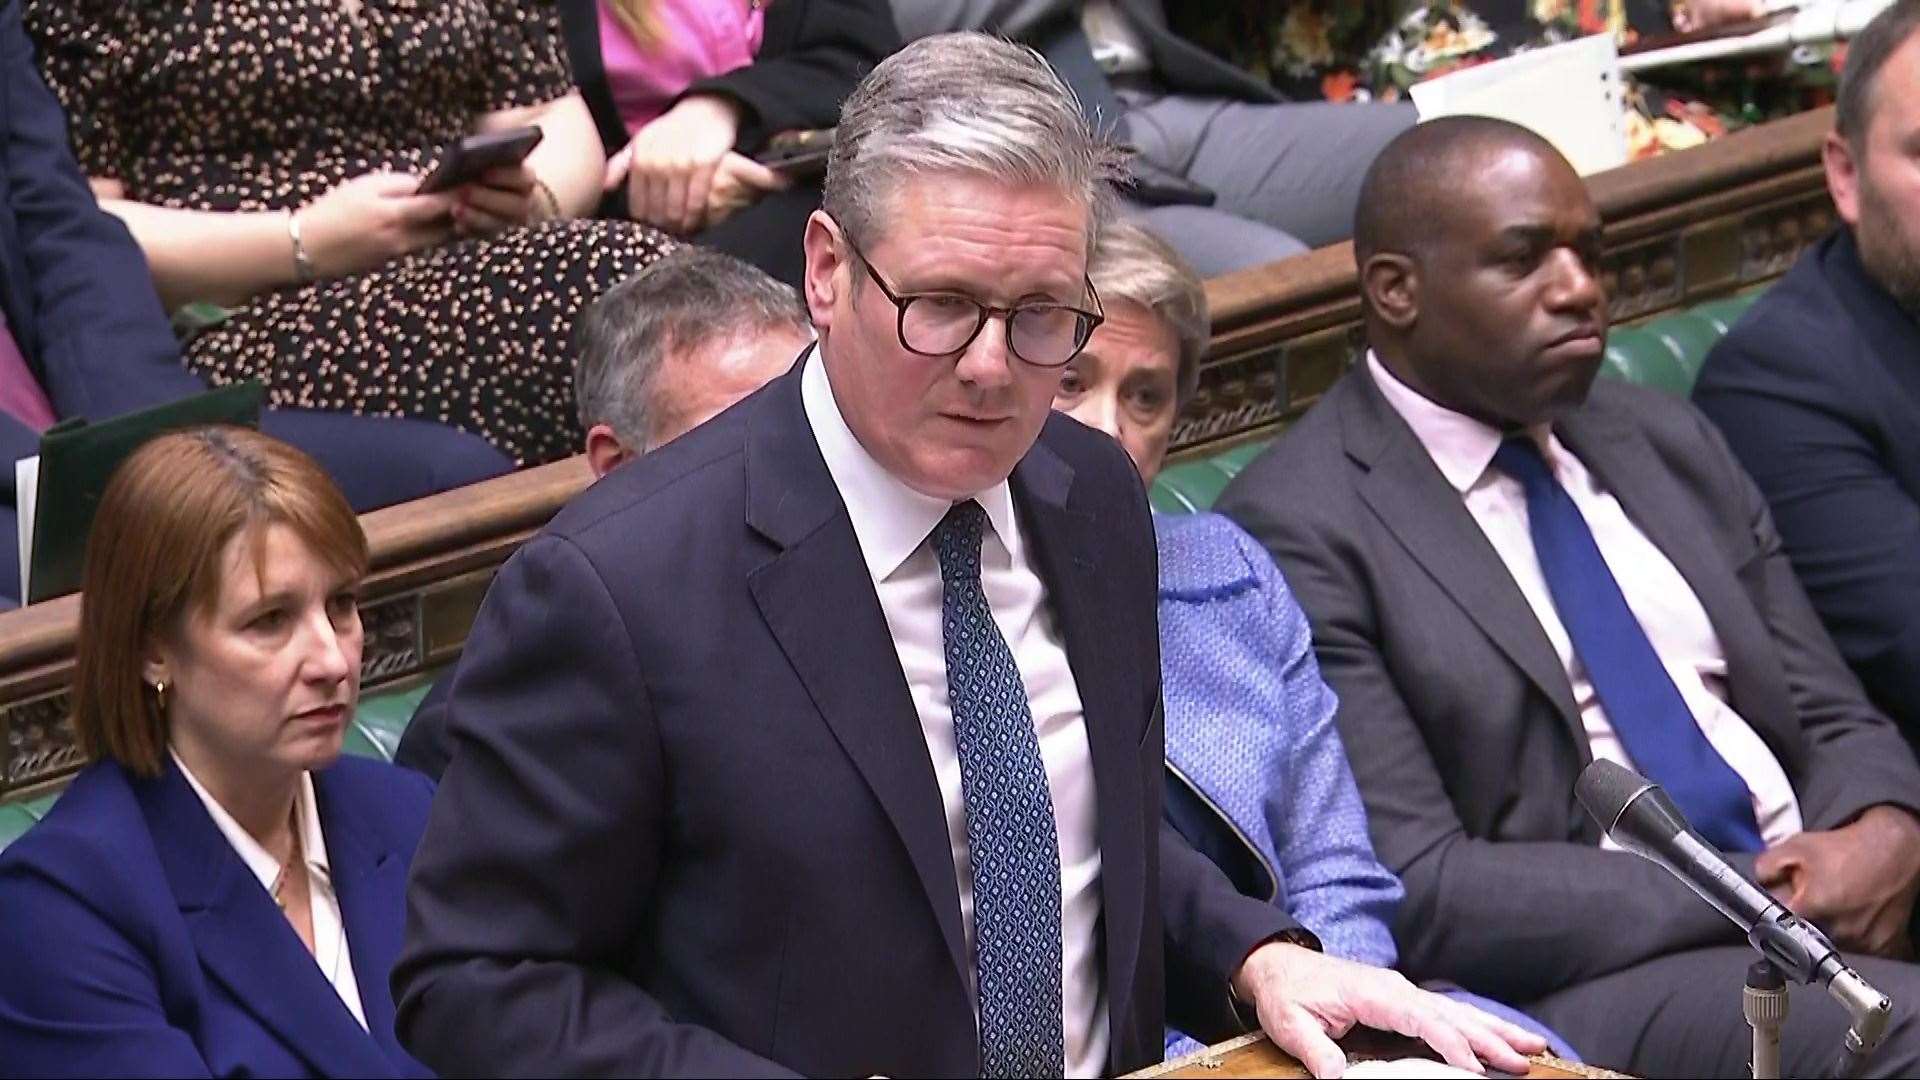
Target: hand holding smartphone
465 161
798 155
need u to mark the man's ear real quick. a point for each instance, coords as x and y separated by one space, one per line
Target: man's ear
605 451
1390 282
1843 176
821 247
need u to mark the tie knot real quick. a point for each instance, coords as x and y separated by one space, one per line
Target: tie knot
1519 457
956 540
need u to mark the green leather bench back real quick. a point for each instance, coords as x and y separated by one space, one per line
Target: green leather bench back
1665 353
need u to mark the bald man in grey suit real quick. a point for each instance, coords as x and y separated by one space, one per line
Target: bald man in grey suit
1283 177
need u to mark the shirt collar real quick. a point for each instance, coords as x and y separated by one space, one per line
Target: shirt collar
890 519
313 842
1461 446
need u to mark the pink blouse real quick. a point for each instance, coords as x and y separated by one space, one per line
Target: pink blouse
699 39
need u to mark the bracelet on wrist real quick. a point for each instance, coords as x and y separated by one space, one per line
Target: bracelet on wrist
303 270
547 199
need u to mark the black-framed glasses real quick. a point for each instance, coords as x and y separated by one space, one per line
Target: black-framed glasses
1043 333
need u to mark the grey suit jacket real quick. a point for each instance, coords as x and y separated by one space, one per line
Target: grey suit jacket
1460 720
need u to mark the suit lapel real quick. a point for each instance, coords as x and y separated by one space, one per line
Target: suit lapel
370 880
243 940
820 605
1411 497
1065 543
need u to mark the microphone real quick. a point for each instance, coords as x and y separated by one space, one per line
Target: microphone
1638 815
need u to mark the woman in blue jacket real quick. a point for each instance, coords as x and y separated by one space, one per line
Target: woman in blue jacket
219 893
1257 777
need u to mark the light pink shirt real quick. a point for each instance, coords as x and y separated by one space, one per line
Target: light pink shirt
892 522
1665 605
698 40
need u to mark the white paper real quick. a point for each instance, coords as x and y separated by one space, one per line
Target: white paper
26 486
1569 94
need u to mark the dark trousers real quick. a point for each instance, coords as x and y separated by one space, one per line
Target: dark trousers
1680 1016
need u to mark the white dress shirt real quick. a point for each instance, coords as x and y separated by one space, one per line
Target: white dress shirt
1665 605
892 523
329 932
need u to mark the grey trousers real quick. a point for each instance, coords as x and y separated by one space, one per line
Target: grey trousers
1287 177
1680 1015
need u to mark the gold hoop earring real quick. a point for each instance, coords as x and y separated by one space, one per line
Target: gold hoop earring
160 695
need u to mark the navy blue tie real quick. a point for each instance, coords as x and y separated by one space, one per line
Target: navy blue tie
1012 842
1644 706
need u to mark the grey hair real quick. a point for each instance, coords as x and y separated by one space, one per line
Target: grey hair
686 301
1867 53
1132 265
964 103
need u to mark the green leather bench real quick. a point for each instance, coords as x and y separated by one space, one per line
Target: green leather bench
1665 354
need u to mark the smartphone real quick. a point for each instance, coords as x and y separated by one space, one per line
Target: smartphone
798 154
464 161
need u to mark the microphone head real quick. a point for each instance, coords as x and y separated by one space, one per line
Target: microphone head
1605 788
1630 808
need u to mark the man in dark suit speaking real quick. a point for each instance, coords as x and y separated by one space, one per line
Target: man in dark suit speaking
1513 570
825 739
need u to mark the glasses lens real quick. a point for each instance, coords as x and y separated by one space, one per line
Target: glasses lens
938 325
1048 335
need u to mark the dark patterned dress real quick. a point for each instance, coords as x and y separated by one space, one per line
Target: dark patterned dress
265 105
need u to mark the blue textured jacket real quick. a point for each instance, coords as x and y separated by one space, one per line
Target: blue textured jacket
1259 779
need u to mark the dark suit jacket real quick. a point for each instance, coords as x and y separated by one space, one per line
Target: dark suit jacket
1460 720
138 943
73 287
1817 390
691 826
812 54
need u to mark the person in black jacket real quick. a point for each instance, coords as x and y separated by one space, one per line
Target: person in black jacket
1817 391
681 128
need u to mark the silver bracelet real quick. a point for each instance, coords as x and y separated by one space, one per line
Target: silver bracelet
541 189
303 271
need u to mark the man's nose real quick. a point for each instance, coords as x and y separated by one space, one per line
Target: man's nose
987 362
1576 286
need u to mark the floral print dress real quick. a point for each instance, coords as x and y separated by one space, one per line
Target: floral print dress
252 105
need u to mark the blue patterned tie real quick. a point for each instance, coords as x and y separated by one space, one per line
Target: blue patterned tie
1644 706
1011 839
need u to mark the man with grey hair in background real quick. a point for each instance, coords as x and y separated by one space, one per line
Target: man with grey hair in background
826 739
655 357
676 344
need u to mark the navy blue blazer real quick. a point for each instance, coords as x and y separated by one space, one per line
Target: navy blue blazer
76 294
1817 390
713 843
137 943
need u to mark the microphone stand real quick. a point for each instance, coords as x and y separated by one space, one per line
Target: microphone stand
1764 1003
1867 1008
